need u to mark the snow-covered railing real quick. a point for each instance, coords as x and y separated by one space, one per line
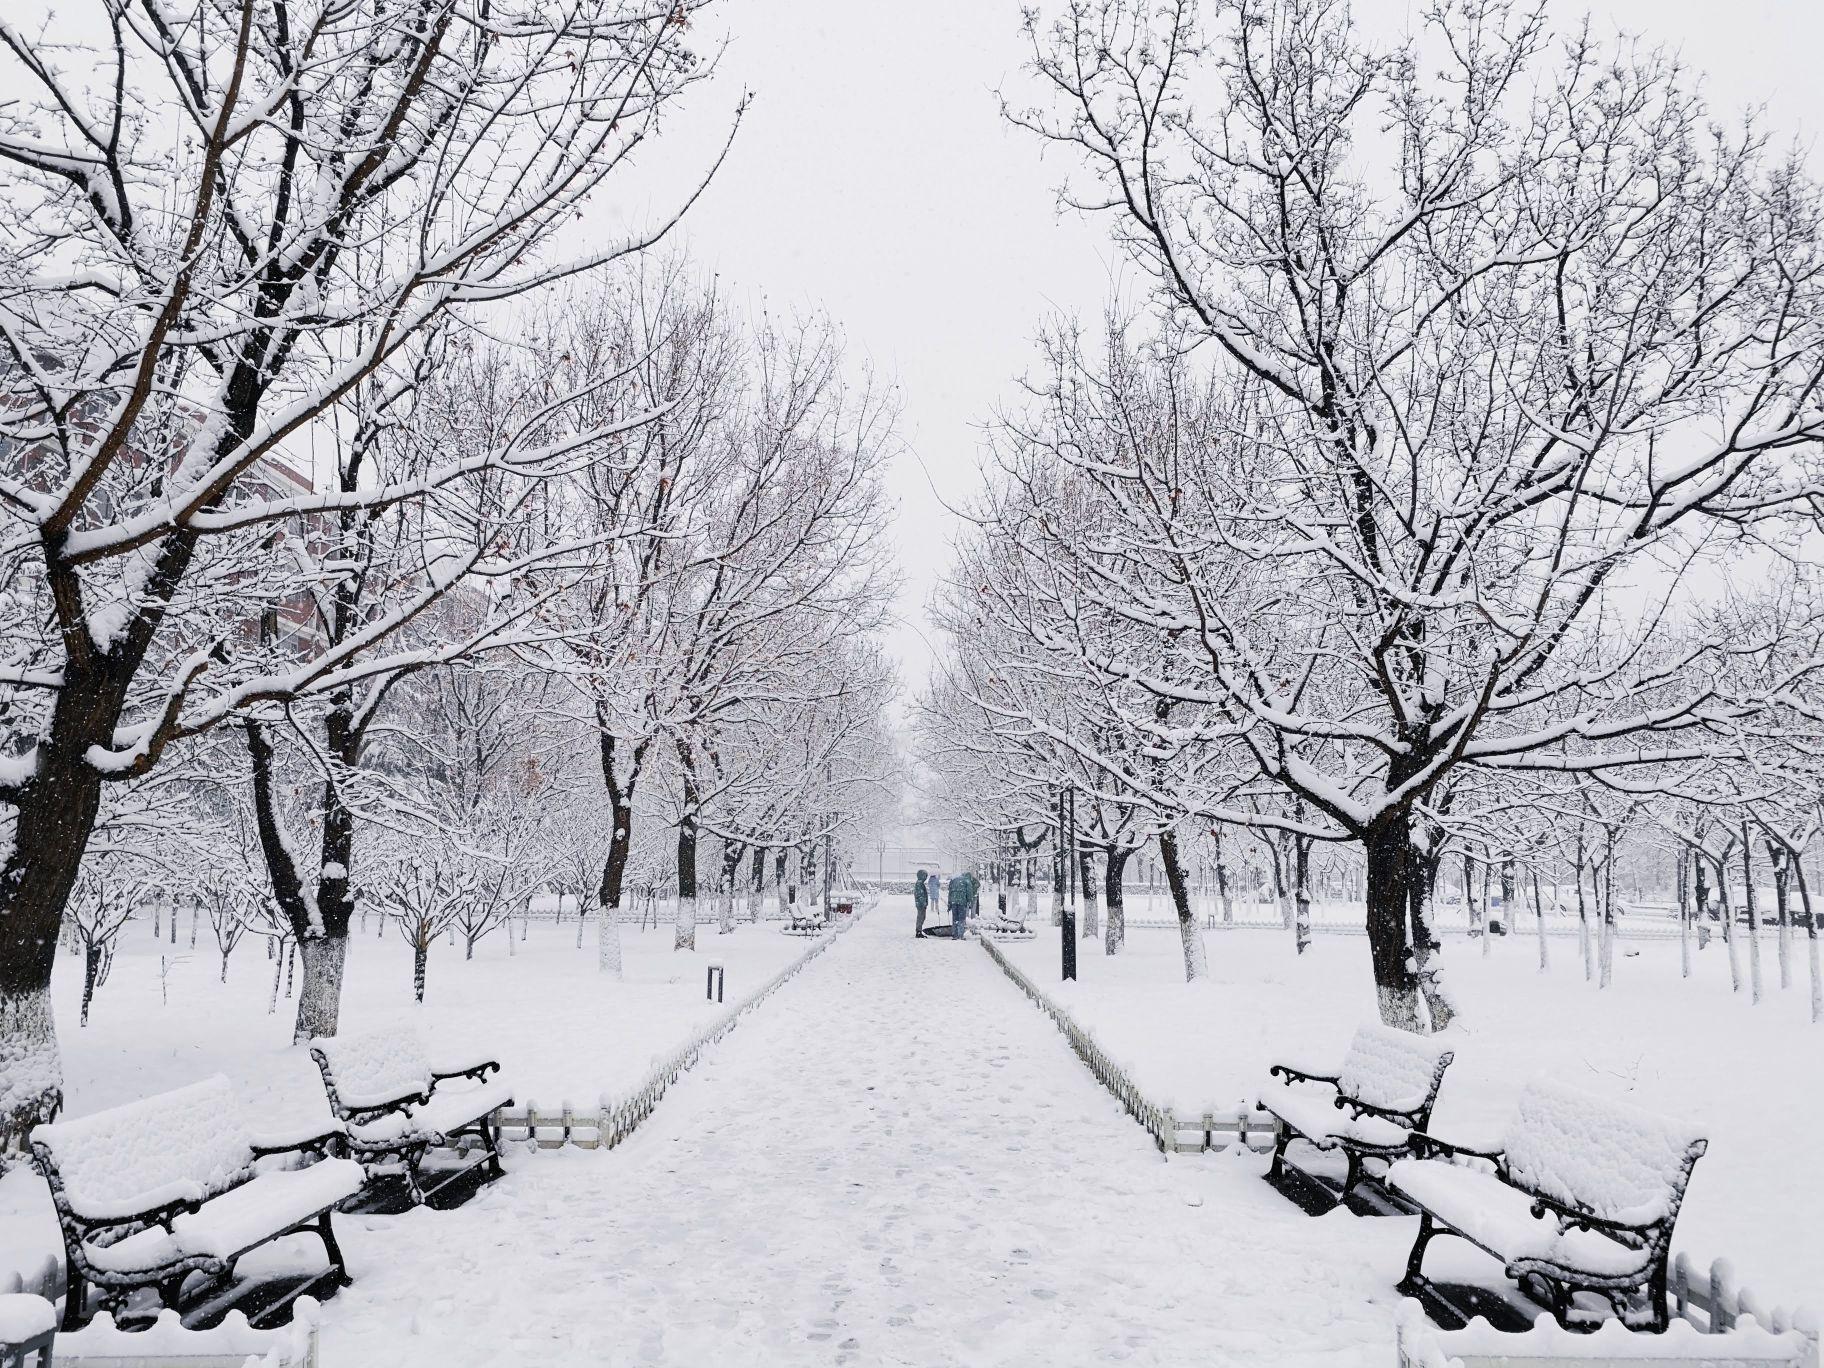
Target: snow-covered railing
166 1343
1713 1323
1214 1129
1156 1121
605 1126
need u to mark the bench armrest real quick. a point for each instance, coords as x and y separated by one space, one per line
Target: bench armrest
317 1136
365 1106
1292 1073
1425 1146
478 1071
1569 1214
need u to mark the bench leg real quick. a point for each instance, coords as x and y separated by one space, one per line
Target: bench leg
1354 1174
490 1134
1414 1279
75 1297
1278 1166
1658 1305
333 1250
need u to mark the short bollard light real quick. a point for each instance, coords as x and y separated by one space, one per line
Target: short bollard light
712 983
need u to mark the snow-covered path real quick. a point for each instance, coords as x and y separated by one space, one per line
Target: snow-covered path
896 1160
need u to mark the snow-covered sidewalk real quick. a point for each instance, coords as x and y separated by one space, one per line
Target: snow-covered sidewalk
896 1160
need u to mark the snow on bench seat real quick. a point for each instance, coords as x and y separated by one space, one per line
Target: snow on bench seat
1384 1090
243 1217
150 1191
1581 1196
1500 1218
396 1106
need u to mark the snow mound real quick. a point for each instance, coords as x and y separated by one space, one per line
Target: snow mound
1619 1161
179 1145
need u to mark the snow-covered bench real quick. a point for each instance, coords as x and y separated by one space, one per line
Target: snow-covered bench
396 1106
1369 1108
1581 1196
153 1191
805 919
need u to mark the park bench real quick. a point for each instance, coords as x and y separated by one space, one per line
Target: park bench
1369 1108
396 1107
149 1193
805 919
1581 1197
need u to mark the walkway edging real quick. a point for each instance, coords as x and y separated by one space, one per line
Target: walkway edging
611 1123
1157 1121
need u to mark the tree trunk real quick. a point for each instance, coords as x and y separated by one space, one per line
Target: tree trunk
1811 939
1682 877
1782 904
1086 871
1545 959
1301 890
1190 935
685 926
1729 943
1754 916
1389 850
420 952
620 849
1222 882
1116 864
1427 951
320 1001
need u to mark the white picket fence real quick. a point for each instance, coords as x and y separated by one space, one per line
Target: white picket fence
606 1126
1710 1326
166 1345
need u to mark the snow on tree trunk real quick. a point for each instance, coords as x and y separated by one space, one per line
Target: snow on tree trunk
1782 903
1545 958
1190 934
31 1068
607 941
1754 916
1811 940
1682 876
1222 883
1583 918
1116 935
1427 953
1735 955
685 923
1390 860
320 1001
1302 892
420 952
1086 873
1282 884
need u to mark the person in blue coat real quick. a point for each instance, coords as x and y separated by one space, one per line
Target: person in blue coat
963 894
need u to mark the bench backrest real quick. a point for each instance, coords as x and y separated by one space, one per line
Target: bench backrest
1391 1070
113 1164
1608 1158
371 1068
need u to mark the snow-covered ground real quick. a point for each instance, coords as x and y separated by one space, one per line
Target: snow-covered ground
896 1160
1750 1075
561 1030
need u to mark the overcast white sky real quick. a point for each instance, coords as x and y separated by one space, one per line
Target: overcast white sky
873 178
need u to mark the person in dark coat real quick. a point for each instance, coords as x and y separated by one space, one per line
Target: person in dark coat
963 893
921 900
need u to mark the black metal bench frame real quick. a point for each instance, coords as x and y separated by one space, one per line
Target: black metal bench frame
115 1286
411 1150
1354 1151
1552 1283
